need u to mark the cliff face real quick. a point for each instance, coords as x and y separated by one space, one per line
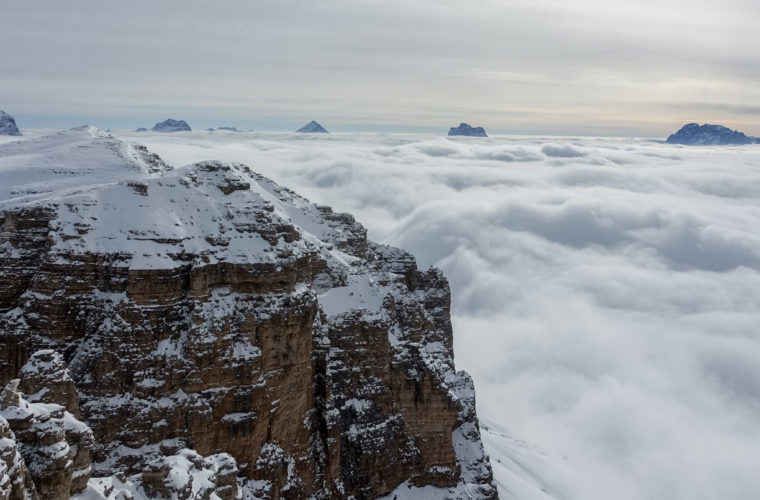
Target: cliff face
222 337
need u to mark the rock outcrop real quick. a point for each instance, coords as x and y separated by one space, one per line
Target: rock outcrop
221 335
40 410
170 125
8 124
467 130
313 128
693 134
15 481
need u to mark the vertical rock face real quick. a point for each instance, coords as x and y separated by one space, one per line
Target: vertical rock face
221 335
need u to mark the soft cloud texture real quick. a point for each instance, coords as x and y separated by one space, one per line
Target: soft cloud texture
548 66
605 293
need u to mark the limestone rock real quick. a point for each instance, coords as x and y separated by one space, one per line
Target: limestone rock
55 446
15 481
45 379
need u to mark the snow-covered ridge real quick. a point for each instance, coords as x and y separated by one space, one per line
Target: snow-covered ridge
69 161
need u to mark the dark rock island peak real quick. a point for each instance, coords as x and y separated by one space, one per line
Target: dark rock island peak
467 130
170 125
8 124
694 134
313 128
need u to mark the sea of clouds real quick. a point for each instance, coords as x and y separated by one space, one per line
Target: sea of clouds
606 292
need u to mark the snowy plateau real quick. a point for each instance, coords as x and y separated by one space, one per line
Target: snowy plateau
604 297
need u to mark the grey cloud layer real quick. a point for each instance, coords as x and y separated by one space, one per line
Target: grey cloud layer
605 293
587 66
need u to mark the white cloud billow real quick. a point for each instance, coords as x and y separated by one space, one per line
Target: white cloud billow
605 293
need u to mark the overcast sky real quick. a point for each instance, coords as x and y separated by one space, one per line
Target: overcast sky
539 66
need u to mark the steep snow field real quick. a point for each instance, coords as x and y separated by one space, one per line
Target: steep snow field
606 292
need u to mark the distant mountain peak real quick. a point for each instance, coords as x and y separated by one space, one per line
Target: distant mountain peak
8 124
170 125
313 128
467 130
694 134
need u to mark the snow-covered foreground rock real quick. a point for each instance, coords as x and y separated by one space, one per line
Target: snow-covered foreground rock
202 332
605 293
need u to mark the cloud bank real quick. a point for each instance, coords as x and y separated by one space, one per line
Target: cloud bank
605 293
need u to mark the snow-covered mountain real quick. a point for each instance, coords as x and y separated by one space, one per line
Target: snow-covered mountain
8 124
219 336
693 134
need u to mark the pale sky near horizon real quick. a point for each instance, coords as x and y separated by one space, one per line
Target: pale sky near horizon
545 66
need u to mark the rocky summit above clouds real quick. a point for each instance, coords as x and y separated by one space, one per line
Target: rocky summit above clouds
467 130
8 124
203 332
170 125
313 128
693 134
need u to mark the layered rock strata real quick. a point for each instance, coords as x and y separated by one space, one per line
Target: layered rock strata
226 337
